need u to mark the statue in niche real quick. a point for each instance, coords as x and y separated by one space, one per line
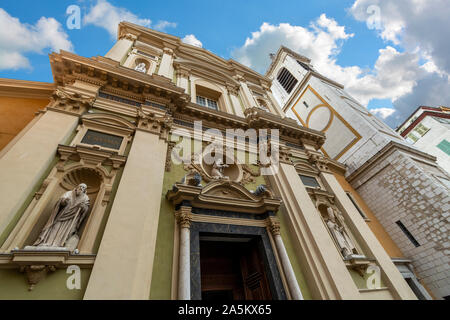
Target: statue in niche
336 225
217 169
61 230
141 67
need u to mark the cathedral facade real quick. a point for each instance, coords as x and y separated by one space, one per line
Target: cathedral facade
162 171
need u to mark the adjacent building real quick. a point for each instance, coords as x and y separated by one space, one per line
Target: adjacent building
428 129
402 185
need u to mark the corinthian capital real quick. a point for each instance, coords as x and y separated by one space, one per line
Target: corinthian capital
184 217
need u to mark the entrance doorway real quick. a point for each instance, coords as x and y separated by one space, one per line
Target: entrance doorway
233 269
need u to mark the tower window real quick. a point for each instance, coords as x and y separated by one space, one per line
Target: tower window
407 233
287 80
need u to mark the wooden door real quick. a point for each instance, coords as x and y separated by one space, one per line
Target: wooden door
256 286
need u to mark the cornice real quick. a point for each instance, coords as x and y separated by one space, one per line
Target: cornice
390 147
68 67
26 89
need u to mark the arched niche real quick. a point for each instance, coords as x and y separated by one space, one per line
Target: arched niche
76 165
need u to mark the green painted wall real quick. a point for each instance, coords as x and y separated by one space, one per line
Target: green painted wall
14 286
162 266
295 262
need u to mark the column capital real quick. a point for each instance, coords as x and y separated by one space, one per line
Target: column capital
273 224
70 102
319 160
168 51
128 36
184 216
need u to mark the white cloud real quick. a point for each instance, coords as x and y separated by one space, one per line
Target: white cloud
17 39
420 27
163 25
107 16
192 40
383 112
416 25
396 74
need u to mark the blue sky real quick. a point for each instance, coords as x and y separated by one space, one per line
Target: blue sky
383 67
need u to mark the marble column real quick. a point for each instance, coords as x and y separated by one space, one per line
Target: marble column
294 289
184 267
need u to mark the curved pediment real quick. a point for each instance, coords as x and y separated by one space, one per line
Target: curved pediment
223 195
109 119
228 190
217 72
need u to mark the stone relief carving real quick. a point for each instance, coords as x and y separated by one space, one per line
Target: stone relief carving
61 230
217 170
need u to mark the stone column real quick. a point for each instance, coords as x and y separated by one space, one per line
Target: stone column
124 264
274 107
233 94
294 289
121 47
184 218
248 99
183 77
166 68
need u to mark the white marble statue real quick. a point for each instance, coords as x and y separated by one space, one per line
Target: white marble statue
217 169
65 220
335 224
141 67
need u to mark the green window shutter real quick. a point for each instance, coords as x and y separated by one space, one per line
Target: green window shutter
444 145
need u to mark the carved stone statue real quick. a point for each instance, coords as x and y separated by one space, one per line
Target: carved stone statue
217 169
335 224
141 67
65 220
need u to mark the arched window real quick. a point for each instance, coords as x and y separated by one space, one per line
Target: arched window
287 80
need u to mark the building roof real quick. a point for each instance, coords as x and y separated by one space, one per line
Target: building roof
419 114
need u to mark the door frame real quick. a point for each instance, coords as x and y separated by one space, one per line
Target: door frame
234 231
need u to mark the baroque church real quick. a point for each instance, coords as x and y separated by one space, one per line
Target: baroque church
120 180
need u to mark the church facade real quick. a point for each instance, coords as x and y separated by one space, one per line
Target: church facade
162 171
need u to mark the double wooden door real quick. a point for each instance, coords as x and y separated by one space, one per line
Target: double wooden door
233 271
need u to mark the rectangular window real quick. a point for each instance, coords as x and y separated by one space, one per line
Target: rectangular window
356 205
102 139
411 138
444 145
408 234
421 129
212 104
309 181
